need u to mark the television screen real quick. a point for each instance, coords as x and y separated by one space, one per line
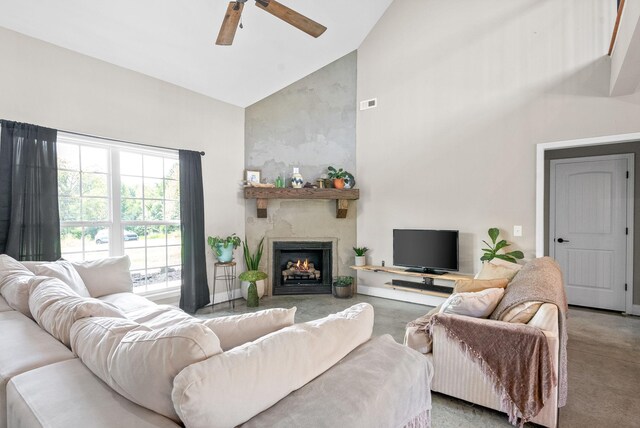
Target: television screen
426 250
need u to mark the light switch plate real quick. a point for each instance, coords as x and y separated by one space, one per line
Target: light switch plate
517 230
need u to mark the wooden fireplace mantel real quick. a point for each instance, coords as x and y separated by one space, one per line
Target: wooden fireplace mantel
263 194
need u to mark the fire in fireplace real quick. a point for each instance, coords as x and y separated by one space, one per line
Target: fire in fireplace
302 267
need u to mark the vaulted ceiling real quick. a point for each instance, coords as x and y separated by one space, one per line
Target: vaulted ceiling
174 40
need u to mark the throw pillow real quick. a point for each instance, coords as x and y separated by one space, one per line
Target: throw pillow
236 330
497 270
65 272
14 284
477 305
474 285
106 276
522 313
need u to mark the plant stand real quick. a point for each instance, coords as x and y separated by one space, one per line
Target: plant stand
228 276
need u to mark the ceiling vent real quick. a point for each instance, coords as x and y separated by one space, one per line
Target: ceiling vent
367 104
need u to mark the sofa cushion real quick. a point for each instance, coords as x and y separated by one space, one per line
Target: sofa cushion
67 394
236 330
14 284
4 306
24 346
273 366
56 313
140 363
522 313
106 276
65 272
497 268
477 305
127 301
475 285
44 291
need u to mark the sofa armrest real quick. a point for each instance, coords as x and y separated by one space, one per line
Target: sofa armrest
546 319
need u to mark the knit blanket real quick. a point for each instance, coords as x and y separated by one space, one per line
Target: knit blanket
515 358
540 280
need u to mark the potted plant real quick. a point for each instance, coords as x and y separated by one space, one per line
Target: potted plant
338 176
223 247
252 276
342 287
361 258
491 252
252 262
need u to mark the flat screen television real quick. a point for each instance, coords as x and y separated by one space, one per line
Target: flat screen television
426 251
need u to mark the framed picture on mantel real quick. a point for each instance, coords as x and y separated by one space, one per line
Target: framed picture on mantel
252 175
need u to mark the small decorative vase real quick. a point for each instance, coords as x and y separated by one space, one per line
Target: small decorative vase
361 260
252 296
226 253
338 183
244 288
296 179
349 181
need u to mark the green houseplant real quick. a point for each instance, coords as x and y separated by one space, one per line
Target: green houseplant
342 287
252 262
223 247
361 258
491 252
338 176
252 276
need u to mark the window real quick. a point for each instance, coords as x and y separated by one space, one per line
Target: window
117 199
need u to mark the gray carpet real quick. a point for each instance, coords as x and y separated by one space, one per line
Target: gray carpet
603 350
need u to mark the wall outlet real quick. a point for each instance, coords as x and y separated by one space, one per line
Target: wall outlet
367 104
517 230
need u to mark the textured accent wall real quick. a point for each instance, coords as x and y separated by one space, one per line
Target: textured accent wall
310 124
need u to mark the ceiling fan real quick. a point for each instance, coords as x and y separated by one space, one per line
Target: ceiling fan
234 10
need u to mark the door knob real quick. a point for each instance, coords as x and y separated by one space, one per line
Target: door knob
560 240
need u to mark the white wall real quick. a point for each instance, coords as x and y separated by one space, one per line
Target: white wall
625 58
46 85
466 89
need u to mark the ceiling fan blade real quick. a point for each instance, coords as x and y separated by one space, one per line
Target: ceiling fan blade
230 24
292 17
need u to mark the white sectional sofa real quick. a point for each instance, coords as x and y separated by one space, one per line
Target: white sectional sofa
109 358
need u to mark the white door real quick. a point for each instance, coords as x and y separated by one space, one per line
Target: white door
588 228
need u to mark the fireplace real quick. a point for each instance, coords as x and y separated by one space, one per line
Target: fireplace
302 267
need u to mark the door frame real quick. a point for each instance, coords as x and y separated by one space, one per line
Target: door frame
630 158
582 142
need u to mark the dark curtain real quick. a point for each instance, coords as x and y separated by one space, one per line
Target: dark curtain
29 217
195 290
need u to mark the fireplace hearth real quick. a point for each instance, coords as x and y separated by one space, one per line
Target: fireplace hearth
302 267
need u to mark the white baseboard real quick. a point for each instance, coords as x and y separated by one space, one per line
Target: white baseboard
223 296
403 296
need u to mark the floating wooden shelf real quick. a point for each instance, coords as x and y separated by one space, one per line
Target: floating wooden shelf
417 290
401 271
263 194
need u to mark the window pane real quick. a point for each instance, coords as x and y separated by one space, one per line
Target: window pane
156 236
69 209
68 156
173 235
171 190
130 187
100 237
68 183
173 254
153 166
172 210
96 255
134 237
156 257
131 209
153 210
171 169
94 209
137 257
94 185
130 164
71 239
153 188
73 257
139 279
95 159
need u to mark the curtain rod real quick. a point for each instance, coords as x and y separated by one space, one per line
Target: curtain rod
119 141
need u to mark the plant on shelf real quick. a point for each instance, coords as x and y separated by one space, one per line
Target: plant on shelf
338 176
252 262
223 247
491 252
252 276
342 286
361 258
